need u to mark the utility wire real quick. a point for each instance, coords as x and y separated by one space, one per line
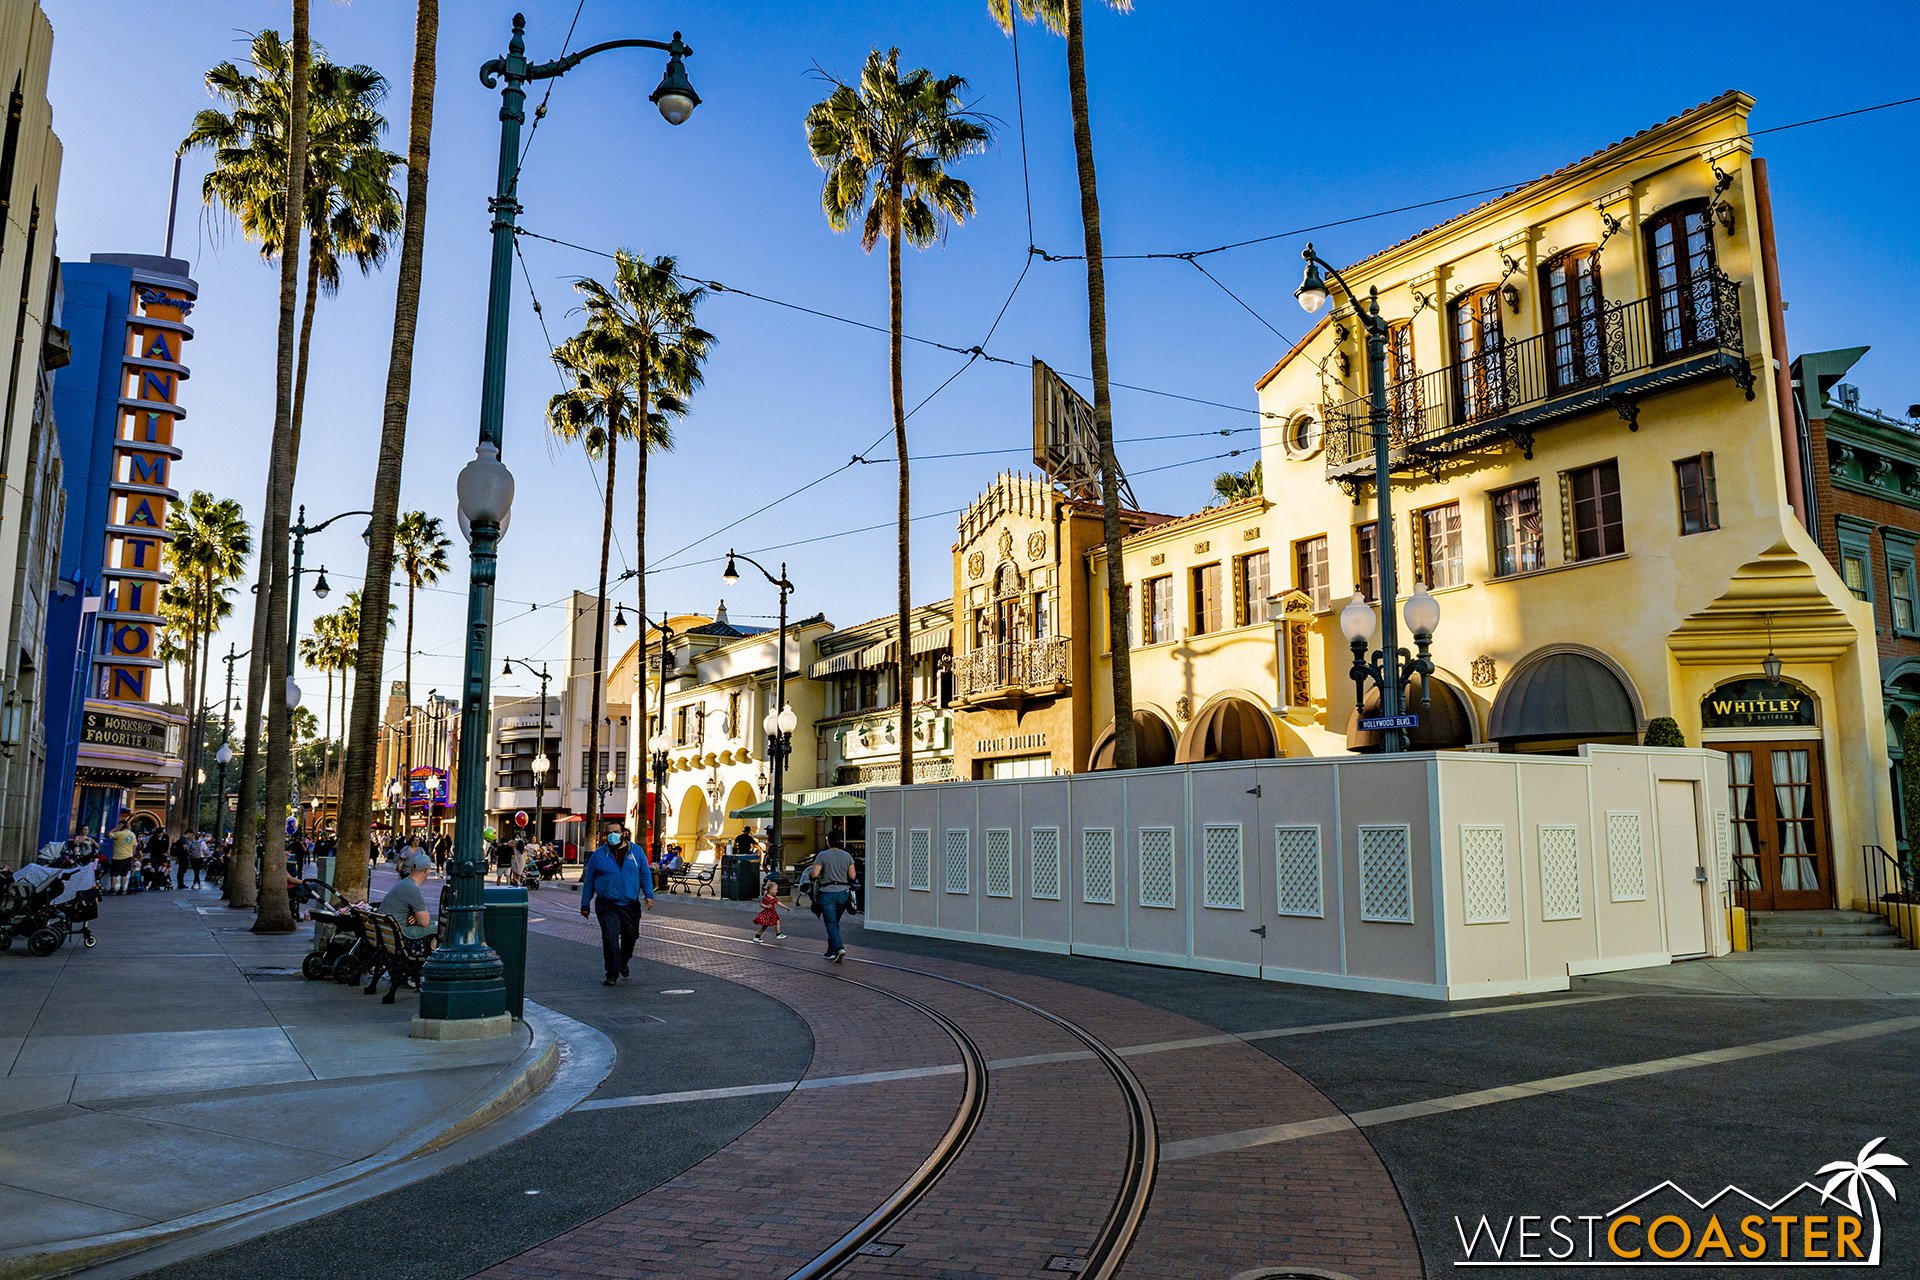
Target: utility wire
1501 189
540 112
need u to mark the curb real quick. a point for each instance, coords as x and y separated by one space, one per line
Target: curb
525 1077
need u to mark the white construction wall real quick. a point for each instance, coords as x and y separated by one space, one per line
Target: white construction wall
1446 875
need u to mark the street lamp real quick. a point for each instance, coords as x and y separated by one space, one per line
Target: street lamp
778 726
1387 669
320 588
223 757
605 788
540 762
659 745
393 806
463 980
731 575
1392 669
619 617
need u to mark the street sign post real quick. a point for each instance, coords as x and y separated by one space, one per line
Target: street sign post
1373 724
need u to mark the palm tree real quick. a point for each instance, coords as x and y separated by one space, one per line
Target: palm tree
600 408
1066 17
209 545
651 316
370 645
1861 1174
296 157
420 545
886 147
1232 486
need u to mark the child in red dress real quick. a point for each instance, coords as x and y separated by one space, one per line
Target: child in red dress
769 917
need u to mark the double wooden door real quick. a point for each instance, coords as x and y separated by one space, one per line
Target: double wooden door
1782 858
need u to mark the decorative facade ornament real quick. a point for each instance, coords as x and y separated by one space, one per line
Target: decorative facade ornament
1006 544
1183 707
1036 544
977 565
1482 674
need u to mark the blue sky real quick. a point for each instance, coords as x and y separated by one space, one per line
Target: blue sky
1212 123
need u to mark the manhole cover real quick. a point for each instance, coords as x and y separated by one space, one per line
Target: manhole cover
878 1249
1062 1262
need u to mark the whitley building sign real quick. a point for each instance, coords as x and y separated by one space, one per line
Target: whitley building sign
1756 704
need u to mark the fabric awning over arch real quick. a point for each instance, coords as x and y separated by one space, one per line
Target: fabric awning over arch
1562 695
1152 743
1445 722
1230 729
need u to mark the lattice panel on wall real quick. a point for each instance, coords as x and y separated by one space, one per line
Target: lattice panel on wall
1559 872
883 857
1296 870
1000 864
1156 867
958 848
920 860
1723 845
1483 873
1626 857
1386 875
1044 855
1223 878
1096 865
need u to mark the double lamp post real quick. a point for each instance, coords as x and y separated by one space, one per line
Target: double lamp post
463 981
780 721
1390 667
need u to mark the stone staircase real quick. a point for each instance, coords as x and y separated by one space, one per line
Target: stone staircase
1823 931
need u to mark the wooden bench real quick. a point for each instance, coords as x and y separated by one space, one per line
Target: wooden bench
699 873
392 954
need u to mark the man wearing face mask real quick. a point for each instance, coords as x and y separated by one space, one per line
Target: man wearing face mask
621 880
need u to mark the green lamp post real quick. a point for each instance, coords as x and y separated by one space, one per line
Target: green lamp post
1391 668
462 982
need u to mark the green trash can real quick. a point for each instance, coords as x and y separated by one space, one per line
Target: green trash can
507 935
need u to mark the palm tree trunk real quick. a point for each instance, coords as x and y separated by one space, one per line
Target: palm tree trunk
600 634
406 716
1125 754
274 915
903 680
241 889
363 725
200 699
639 721
189 758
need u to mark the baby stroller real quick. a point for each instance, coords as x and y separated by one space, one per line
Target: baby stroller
27 911
337 936
542 865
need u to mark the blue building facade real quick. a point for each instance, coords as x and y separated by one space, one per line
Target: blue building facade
99 750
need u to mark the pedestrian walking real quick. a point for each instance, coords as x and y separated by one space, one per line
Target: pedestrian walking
614 884
179 853
832 875
769 917
120 857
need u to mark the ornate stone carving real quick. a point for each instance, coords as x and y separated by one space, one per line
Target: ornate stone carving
977 565
1183 707
1482 673
1036 544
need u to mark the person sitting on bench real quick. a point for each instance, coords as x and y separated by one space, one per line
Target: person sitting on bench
406 901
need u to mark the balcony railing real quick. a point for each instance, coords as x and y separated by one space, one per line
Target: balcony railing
1610 360
1017 667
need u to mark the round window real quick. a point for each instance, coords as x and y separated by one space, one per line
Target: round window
1303 436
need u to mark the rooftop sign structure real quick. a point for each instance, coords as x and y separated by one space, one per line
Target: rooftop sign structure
1065 445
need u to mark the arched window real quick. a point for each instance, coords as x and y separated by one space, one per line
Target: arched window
1570 292
1479 358
1680 262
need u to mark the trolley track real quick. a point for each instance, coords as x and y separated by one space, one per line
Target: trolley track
1115 1236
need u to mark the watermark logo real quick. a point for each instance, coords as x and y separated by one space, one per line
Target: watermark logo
1831 1219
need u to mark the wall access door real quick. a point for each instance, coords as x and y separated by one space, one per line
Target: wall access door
1782 858
1683 884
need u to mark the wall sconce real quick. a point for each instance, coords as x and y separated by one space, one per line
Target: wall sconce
1346 364
1724 213
1511 296
1771 664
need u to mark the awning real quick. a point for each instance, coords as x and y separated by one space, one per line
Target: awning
839 662
1563 695
876 656
817 802
1231 729
1445 723
1152 743
932 639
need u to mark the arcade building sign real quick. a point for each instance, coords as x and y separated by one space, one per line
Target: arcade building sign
1756 704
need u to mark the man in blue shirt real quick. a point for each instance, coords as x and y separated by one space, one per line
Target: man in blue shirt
620 878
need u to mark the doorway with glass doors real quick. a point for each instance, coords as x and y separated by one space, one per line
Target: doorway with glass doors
1782 857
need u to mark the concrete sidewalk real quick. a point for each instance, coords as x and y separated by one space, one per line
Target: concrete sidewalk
1776 975
183 1071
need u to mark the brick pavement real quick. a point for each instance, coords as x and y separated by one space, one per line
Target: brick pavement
1040 1172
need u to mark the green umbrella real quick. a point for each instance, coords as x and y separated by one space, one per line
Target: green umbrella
840 805
760 809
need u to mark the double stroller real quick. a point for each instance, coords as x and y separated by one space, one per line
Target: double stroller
32 910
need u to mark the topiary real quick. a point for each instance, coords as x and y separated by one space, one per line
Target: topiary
1664 731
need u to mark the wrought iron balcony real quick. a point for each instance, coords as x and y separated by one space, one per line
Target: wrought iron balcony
1608 361
1012 672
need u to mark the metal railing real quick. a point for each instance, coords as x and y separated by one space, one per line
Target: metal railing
1890 890
1599 360
1021 664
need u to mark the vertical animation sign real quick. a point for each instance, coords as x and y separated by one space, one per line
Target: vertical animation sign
140 492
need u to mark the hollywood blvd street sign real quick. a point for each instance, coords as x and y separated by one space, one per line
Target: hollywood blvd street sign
1373 724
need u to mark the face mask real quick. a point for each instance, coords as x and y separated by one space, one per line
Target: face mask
614 840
